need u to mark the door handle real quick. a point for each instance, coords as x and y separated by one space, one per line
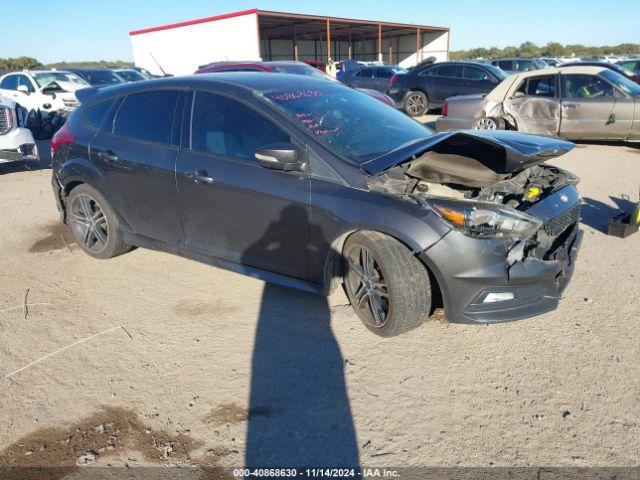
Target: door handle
199 176
570 106
108 156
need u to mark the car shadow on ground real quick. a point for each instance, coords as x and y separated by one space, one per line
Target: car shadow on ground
597 214
299 412
633 146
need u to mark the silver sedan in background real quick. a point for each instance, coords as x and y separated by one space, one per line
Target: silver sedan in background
577 103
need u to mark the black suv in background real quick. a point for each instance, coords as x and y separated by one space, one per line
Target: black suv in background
424 88
97 77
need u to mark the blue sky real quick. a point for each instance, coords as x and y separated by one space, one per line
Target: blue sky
79 30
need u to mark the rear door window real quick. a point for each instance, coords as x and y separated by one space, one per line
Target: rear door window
94 115
585 87
368 73
452 71
223 126
147 116
383 73
539 86
525 65
506 64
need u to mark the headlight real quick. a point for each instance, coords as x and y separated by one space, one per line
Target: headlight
485 220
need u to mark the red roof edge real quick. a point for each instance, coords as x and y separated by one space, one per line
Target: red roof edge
195 22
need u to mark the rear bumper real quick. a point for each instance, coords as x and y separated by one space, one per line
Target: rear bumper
448 123
397 95
535 285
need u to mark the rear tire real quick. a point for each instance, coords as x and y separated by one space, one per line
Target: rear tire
94 223
388 287
416 103
489 123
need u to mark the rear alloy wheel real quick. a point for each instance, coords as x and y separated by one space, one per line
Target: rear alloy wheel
489 123
416 104
387 286
94 224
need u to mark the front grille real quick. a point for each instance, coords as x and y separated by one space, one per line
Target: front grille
5 124
559 224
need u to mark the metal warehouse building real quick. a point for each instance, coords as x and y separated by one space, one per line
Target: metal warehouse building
180 48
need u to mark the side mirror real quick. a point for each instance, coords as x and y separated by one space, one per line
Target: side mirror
23 89
279 156
518 94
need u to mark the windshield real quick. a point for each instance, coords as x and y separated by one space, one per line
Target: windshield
497 72
130 75
101 77
624 71
300 70
398 70
351 124
622 82
45 78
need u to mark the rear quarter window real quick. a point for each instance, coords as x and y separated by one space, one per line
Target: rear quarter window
147 116
94 115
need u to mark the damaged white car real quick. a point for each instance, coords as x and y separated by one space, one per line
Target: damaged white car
576 103
16 141
48 96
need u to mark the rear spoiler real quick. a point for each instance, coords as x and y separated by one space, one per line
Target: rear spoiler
85 95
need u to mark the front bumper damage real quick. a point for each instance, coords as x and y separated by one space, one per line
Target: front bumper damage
18 145
24 153
529 279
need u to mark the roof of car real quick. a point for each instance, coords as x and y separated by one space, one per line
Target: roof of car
498 93
242 80
88 69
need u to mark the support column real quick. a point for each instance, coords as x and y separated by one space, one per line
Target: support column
380 42
418 47
390 55
328 40
295 44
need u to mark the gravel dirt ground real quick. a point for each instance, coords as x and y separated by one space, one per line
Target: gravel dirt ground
196 365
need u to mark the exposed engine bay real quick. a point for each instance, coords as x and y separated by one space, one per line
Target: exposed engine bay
519 191
505 168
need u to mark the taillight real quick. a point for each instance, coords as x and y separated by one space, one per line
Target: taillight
62 137
393 80
445 109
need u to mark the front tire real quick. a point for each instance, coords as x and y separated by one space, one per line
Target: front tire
416 104
94 223
388 287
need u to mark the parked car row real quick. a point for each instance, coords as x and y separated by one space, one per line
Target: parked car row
290 67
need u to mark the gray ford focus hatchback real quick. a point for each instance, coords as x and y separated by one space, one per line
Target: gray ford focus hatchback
314 185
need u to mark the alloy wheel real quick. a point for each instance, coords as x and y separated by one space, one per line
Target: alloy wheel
415 104
89 223
367 286
486 123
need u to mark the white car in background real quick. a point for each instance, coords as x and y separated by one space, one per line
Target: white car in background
16 141
43 91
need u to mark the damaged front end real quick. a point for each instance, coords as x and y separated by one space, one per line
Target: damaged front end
514 221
